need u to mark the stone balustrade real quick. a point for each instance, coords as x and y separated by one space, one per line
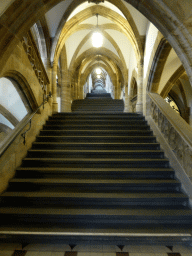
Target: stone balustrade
174 129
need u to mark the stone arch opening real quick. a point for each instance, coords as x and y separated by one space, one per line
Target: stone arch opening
158 64
14 105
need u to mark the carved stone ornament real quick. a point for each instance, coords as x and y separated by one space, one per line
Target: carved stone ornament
35 60
178 145
96 1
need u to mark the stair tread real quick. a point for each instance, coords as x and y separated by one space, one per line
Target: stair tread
97 125
97 143
72 114
132 213
93 195
96 160
95 151
93 181
89 136
125 169
101 131
160 231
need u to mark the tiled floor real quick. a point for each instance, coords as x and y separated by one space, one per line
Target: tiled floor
90 250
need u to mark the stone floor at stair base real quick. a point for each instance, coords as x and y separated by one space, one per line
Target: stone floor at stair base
92 250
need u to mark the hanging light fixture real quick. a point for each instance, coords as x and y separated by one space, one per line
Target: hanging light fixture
98 71
97 38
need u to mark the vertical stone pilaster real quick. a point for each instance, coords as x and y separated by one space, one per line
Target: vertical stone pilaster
75 90
54 88
114 82
81 91
88 85
65 92
118 90
139 105
128 106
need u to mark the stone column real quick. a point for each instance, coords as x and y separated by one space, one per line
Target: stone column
81 91
128 107
114 82
65 92
54 88
88 85
139 104
118 90
75 90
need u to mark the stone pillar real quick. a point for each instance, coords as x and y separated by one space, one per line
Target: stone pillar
49 73
65 92
127 103
88 86
54 88
139 105
81 91
118 90
75 90
114 82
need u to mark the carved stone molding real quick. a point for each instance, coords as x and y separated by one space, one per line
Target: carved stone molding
35 60
180 148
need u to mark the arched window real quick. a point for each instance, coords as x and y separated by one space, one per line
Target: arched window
13 106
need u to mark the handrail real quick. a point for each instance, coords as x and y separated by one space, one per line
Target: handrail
21 126
45 100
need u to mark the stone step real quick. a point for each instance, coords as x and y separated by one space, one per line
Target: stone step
108 103
105 122
96 127
103 107
96 146
99 95
96 109
95 173
92 162
99 115
82 132
96 117
91 200
97 103
88 110
96 139
145 234
93 185
95 154
97 100
95 218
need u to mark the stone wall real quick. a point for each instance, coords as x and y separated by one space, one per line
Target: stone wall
12 157
19 68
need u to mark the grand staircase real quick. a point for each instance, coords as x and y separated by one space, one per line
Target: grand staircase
98 102
99 177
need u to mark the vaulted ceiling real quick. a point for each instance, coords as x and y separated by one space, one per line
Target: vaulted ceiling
70 24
